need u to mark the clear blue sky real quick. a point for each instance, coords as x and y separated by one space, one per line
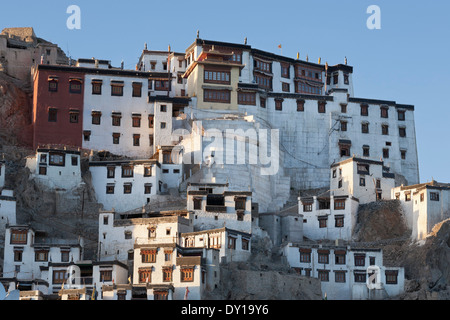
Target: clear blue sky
406 61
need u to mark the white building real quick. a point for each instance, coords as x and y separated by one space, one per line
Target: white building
346 273
56 168
116 115
28 254
7 209
424 205
328 217
314 106
215 207
126 184
233 245
117 237
366 180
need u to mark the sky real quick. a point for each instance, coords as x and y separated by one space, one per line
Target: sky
406 61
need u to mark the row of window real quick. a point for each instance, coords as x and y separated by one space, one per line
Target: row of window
434 196
344 151
41 256
339 204
186 274
359 276
128 188
365 128
340 257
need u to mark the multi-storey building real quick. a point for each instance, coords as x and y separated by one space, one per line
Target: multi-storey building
345 272
424 205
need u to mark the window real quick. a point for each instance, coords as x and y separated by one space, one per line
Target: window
247 98
18 255
362 181
42 170
386 153
150 121
262 102
59 276
285 70
52 114
231 243
105 275
163 108
197 203
147 171
136 121
217 77
343 108
434 196
127 172
360 260
308 89
339 204
408 197
263 66
136 140
116 138
110 189
339 276
339 221
148 188
403 154
41 255
57 159
96 117
323 222
187 274
279 104
168 255
128 235
151 232
305 255
167 274
384 112
372 261
236 57
145 275
402 132
111 172
161 295
19 237
321 106
97 87
422 197
245 244
346 78
161 85
300 105
366 151
264 82
378 184
239 203
73 116
343 125
391 276
220 96
344 150
324 275
385 129
127 188
335 78
87 135
53 85
339 257
401 115
117 88
365 127
307 207
148 256
285 87
365 110
74 161
137 89
363 168
75 86
360 277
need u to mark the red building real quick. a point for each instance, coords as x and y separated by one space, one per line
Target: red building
58 106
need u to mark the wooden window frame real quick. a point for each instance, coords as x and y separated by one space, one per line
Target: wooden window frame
149 256
216 96
279 104
247 98
300 105
339 221
217 76
187 275
137 89
52 115
126 171
117 90
339 204
364 110
75 86
339 277
97 87
53 85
